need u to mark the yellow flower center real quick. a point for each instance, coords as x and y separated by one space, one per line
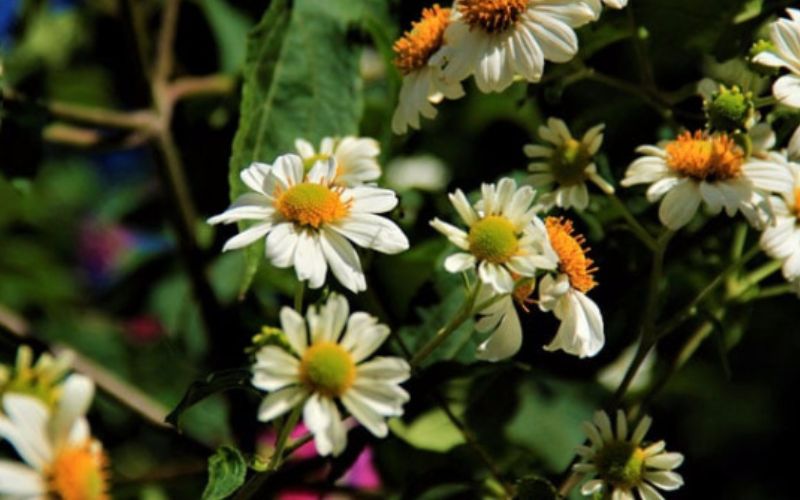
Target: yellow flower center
79 473
328 369
706 158
620 463
493 239
311 204
492 16
417 45
797 202
569 162
571 255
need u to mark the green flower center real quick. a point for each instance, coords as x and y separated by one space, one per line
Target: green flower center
569 161
311 204
620 463
309 162
493 239
328 369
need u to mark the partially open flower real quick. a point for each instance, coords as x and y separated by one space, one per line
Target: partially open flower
356 158
730 110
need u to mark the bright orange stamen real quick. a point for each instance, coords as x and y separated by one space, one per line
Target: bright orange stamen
571 255
417 45
705 157
79 473
797 202
311 204
492 16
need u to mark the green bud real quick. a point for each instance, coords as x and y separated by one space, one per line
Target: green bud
758 47
730 110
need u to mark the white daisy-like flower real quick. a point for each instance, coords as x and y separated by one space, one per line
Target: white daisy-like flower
356 158
705 168
423 83
501 320
309 221
781 237
581 332
62 459
501 238
496 40
326 366
562 169
785 36
622 463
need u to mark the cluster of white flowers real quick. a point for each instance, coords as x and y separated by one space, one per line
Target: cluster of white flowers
494 41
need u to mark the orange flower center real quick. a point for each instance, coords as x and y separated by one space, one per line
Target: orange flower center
797 202
311 204
492 16
417 45
706 158
571 255
327 368
79 473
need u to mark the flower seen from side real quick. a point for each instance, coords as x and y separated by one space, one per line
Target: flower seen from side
560 169
702 167
310 222
781 236
329 363
356 158
500 239
784 53
42 379
423 84
621 462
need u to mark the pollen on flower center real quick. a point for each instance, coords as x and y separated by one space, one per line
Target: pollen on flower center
571 255
425 37
328 369
310 204
79 473
620 463
797 202
703 157
569 162
493 239
492 16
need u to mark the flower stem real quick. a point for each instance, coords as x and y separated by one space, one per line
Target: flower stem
638 230
283 435
298 296
464 314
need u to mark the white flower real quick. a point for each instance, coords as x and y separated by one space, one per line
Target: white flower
616 4
567 164
424 172
356 158
581 332
701 167
324 368
785 36
781 236
62 460
423 83
501 239
622 464
501 321
307 220
495 40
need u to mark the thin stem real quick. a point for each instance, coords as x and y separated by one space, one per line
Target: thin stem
448 329
637 229
775 291
283 435
760 273
298 296
645 69
762 102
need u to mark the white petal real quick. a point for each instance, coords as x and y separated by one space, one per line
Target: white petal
294 326
363 336
506 339
279 402
679 205
247 236
76 397
19 482
787 90
343 261
275 369
309 261
459 262
281 245
387 368
370 419
371 199
373 231
666 461
497 276
664 479
26 428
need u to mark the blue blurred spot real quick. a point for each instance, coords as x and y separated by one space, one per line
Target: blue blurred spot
9 11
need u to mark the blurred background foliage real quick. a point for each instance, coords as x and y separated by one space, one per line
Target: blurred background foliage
91 257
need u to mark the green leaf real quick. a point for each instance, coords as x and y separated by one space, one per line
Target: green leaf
226 473
301 79
431 431
225 380
230 27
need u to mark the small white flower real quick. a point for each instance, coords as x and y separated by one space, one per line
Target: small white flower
356 158
781 237
496 40
622 464
324 368
705 168
567 164
309 221
581 332
62 460
501 238
785 36
423 83
424 172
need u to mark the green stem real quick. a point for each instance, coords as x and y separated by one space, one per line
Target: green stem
775 291
637 229
760 273
464 314
283 435
762 102
298 296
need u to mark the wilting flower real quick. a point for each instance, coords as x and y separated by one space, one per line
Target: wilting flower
623 464
307 220
785 36
423 84
500 239
581 332
325 366
495 40
568 164
356 158
701 167
62 459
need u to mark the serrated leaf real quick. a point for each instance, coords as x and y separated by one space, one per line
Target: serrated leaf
224 380
226 473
